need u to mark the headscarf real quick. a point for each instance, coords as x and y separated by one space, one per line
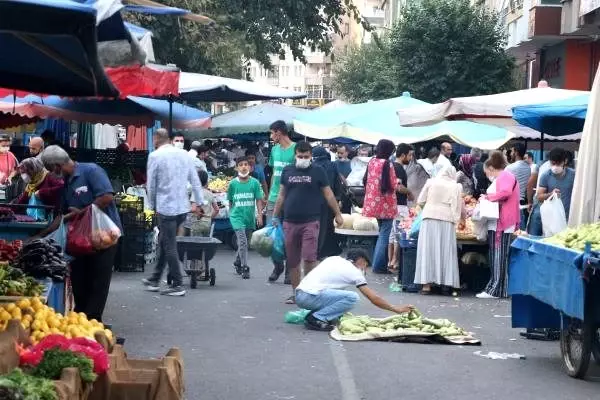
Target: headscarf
384 150
448 173
322 158
466 163
37 173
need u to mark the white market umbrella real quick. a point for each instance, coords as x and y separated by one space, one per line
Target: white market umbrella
585 201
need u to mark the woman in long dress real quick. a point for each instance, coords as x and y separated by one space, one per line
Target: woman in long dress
437 260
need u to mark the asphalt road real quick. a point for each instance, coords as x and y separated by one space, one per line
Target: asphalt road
236 346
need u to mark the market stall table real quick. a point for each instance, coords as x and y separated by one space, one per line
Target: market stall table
362 239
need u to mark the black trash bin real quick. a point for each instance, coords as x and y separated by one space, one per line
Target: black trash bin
408 265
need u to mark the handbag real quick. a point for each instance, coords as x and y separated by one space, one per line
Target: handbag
488 209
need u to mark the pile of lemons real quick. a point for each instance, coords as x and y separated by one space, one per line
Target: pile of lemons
41 321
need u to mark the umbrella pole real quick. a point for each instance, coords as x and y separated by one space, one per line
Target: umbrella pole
170 115
542 145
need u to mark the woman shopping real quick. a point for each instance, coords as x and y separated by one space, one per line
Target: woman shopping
44 186
380 199
504 191
437 259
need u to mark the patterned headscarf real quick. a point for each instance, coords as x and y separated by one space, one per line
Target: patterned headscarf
466 163
37 173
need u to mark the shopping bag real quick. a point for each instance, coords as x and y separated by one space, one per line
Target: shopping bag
79 234
262 242
416 226
105 233
554 219
39 214
60 237
276 234
480 229
488 209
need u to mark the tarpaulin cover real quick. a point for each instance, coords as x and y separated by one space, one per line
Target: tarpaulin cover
557 118
145 80
548 274
50 46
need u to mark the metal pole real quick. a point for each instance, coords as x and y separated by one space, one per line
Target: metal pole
542 145
171 116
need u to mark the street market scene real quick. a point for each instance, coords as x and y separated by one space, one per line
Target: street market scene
274 199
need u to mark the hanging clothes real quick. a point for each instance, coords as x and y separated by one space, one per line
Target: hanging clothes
105 137
137 138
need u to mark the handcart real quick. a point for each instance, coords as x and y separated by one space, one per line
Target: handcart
195 252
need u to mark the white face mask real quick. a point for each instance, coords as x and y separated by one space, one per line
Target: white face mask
4 149
557 169
303 163
25 178
243 175
178 145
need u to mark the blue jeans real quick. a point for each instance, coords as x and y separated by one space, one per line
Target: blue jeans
327 305
535 222
381 247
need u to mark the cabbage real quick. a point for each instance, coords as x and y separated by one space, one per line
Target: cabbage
262 243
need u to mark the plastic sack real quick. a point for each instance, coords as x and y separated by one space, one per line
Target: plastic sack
554 219
60 237
480 229
32 356
296 317
39 214
105 233
276 234
416 226
79 234
262 242
489 209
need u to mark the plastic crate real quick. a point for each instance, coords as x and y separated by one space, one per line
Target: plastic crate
408 257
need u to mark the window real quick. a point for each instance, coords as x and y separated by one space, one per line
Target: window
298 70
327 92
313 92
298 89
284 70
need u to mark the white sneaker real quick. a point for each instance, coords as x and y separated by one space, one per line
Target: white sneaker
484 295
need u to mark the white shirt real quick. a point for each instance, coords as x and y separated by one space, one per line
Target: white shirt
198 163
442 162
332 273
169 171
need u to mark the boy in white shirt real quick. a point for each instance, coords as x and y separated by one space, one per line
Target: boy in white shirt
322 290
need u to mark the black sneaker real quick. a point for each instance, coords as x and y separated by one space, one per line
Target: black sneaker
315 324
246 273
237 265
277 271
173 291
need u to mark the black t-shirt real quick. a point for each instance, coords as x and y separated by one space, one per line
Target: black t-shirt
303 193
401 199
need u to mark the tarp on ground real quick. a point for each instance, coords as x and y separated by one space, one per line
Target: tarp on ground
50 46
252 119
131 111
489 106
557 118
375 120
585 200
207 88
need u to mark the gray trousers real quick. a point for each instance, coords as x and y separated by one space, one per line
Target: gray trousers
167 248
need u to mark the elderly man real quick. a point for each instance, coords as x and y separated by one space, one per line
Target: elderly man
444 158
85 184
170 169
194 153
36 146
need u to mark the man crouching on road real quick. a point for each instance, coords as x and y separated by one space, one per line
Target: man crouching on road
322 290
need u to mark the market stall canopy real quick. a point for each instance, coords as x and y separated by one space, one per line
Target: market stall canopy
199 88
131 111
155 8
525 133
480 108
557 118
585 200
375 120
50 46
333 104
137 31
254 119
151 80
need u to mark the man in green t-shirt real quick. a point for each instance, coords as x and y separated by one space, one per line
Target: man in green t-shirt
245 204
282 155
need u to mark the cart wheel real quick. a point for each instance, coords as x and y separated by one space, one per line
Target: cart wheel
596 346
213 277
193 280
576 347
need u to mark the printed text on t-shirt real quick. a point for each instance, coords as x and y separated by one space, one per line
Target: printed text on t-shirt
300 179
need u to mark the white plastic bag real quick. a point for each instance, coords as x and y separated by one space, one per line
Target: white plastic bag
480 229
105 233
488 209
554 219
359 168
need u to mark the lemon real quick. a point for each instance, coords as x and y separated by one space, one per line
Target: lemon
24 303
5 315
10 307
25 324
16 313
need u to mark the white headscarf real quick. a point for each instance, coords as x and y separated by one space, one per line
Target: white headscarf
448 173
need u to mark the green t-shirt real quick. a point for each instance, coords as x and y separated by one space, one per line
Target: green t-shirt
242 198
278 160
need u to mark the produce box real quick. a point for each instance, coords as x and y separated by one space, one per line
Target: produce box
129 379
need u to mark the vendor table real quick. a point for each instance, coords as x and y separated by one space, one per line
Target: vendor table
362 239
555 287
20 230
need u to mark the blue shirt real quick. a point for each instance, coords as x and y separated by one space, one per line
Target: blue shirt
259 173
564 183
343 167
88 182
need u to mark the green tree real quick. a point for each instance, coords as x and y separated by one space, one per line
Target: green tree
250 29
450 48
365 73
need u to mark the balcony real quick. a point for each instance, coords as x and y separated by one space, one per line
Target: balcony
316 79
544 22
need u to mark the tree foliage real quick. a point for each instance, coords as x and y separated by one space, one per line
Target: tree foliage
438 49
253 29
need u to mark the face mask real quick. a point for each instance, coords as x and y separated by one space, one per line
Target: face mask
557 170
243 174
302 163
25 178
4 149
178 145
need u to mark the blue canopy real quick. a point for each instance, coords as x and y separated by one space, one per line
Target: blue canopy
50 46
557 118
136 30
130 111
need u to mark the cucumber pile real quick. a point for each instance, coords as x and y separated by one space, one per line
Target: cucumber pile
409 322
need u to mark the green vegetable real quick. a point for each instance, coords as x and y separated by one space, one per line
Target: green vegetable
55 360
26 387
